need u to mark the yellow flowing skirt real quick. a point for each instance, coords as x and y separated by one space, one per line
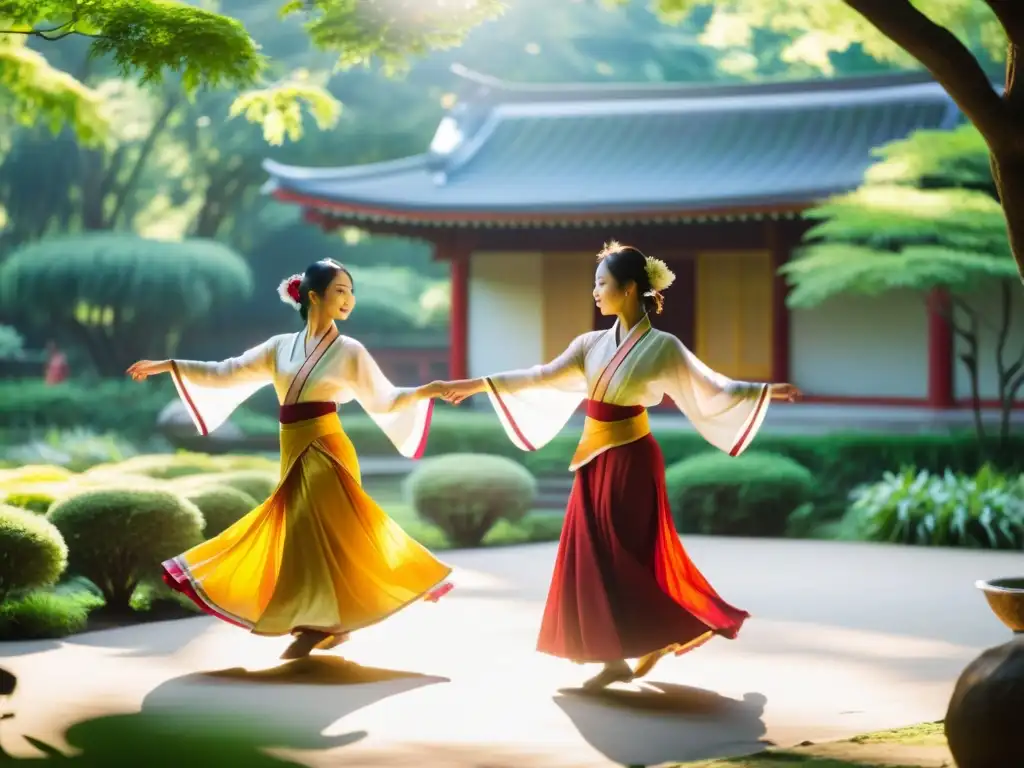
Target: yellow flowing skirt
318 554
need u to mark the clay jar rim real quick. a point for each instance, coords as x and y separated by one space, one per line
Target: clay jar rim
1016 586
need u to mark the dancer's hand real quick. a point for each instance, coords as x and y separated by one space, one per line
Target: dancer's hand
143 369
431 390
786 392
457 391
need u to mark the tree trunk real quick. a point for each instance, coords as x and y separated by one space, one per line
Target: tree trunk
1009 176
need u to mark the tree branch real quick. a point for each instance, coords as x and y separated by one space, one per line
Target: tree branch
949 61
46 34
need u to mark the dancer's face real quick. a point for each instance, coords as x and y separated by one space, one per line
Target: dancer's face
339 299
609 296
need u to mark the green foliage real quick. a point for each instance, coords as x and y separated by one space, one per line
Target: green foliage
107 278
36 92
388 30
31 500
917 507
157 597
117 537
748 495
927 216
168 466
931 159
46 615
147 37
839 462
32 552
254 483
12 343
278 108
117 406
127 296
74 449
465 495
222 507
816 29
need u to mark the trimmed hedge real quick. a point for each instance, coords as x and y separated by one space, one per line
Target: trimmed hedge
751 495
466 495
118 537
222 507
105 405
32 551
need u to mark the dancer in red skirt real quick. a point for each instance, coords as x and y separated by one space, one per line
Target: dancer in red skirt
623 586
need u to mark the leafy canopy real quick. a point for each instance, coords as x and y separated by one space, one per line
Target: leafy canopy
927 216
818 28
148 38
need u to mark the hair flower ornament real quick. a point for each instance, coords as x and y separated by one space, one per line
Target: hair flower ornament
288 290
659 275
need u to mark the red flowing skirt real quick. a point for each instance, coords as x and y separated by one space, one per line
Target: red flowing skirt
623 585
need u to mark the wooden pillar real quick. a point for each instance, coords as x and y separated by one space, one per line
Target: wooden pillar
780 248
459 318
940 350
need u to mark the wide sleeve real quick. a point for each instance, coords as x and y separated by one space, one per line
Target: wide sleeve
534 404
727 413
404 418
211 391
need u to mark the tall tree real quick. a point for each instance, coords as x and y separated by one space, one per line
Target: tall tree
950 38
926 220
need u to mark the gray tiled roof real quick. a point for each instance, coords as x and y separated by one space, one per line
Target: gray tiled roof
543 150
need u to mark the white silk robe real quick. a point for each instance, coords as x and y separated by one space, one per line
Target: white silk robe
339 370
534 404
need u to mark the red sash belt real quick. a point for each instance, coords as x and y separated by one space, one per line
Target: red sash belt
289 414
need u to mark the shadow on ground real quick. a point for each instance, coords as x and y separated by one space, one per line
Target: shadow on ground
658 723
231 717
173 635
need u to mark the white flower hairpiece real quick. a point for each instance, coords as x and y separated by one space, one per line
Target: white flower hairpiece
658 275
288 290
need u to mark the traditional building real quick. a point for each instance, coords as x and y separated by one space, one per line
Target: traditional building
522 185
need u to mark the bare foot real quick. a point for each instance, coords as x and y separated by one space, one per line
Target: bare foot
614 672
332 641
646 663
303 645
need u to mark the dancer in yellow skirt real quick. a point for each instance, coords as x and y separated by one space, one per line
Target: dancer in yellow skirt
319 558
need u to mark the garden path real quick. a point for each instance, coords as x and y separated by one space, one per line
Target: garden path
846 638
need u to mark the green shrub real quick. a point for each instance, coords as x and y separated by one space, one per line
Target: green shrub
168 466
118 537
222 507
465 495
233 462
73 449
985 511
154 595
32 551
118 406
42 615
254 483
534 528
749 495
38 501
34 473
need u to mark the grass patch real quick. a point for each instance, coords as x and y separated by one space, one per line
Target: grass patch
46 614
853 753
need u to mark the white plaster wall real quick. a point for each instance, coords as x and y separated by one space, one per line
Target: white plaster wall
506 312
988 304
854 346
